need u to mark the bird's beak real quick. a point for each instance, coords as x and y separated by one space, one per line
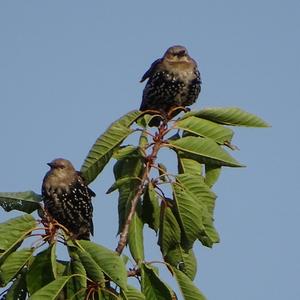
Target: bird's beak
182 53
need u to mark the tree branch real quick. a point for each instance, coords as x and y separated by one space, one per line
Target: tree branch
124 234
158 141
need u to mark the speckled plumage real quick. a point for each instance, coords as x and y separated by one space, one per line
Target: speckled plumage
173 81
68 199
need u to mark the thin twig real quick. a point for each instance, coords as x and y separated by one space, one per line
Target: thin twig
124 234
158 141
133 272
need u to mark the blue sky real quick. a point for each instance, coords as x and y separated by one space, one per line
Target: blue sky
70 68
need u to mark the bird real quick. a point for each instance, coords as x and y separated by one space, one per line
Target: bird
173 81
68 199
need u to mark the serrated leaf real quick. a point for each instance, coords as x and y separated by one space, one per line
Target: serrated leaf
79 282
133 294
51 290
169 231
92 269
41 271
122 181
61 267
22 201
13 265
209 236
188 289
136 236
150 208
233 116
127 167
188 165
75 288
143 140
195 184
205 128
103 149
109 261
205 149
199 191
146 119
125 151
125 258
152 287
190 215
13 232
212 174
184 261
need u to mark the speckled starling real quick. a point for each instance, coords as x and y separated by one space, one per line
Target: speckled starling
67 198
173 81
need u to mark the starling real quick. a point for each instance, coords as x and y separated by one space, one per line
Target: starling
67 198
173 81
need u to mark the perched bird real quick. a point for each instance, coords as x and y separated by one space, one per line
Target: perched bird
173 81
67 198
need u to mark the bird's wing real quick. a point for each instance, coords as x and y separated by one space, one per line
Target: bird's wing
91 192
151 70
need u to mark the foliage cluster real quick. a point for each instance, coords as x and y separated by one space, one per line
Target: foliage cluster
179 208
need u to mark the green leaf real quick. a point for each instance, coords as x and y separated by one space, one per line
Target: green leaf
125 151
75 288
125 258
153 288
205 128
103 149
13 232
188 289
61 267
79 282
127 167
92 269
109 261
150 208
133 294
135 235
13 264
199 191
206 150
183 261
122 181
23 201
190 215
169 232
41 271
143 141
188 165
209 236
212 174
51 290
195 185
18 289
145 120
233 116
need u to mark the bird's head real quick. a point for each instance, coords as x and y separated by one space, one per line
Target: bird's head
177 54
61 165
